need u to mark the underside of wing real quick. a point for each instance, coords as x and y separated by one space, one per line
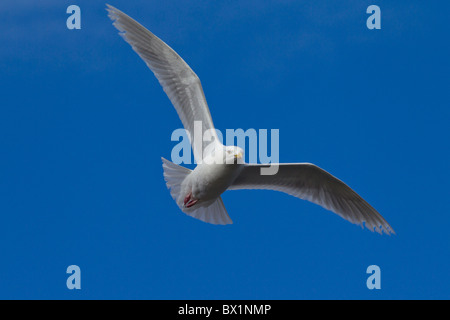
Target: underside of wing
309 182
180 83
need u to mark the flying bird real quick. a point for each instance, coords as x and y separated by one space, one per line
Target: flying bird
219 168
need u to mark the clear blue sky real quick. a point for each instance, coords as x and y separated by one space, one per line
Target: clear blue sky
83 124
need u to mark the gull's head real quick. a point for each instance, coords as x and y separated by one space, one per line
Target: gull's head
225 155
233 154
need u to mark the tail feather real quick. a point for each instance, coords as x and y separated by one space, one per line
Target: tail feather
212 212
215 213
174 176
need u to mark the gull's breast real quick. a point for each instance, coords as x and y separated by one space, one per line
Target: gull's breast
209 181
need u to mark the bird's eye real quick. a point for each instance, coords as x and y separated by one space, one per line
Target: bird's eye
228 151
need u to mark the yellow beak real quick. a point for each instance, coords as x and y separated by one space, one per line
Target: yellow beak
238 155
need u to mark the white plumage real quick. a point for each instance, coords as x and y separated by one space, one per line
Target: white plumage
220 168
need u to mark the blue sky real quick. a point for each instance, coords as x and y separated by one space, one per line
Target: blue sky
83 124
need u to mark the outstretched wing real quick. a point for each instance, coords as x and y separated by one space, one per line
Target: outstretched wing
309 182
180 83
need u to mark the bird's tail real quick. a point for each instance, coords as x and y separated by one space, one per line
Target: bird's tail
174 176
212 212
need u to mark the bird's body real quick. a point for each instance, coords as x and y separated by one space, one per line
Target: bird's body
210 179
198 192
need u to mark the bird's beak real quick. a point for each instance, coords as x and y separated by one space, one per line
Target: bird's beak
238 155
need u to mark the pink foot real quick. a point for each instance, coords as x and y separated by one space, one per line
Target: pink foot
189 201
